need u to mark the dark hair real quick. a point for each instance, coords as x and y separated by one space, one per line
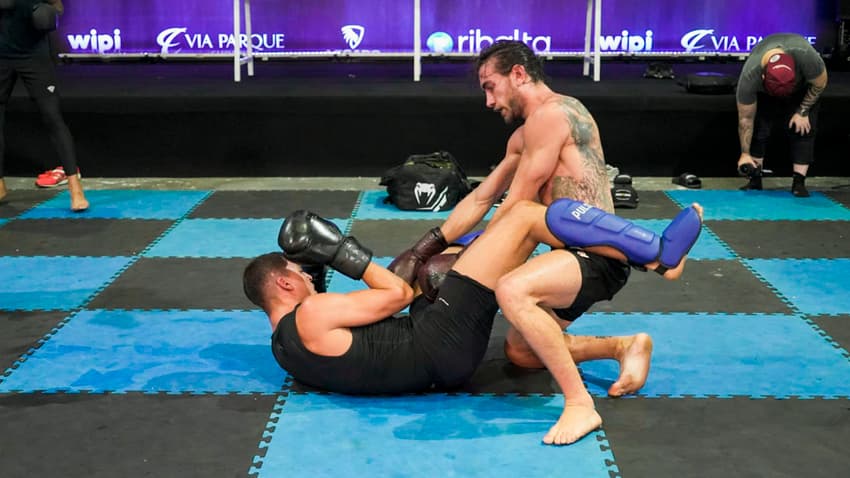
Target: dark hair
257 274
508 53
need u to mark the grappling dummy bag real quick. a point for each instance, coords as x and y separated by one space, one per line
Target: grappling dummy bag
709 83
426 182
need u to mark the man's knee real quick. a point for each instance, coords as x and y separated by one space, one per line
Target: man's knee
512 292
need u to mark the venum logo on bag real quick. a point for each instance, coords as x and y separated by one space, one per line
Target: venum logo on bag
426 182
427 198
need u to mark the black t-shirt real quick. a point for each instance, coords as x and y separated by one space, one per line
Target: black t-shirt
383 358
18 37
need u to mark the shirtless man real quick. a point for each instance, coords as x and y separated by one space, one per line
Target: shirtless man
556 153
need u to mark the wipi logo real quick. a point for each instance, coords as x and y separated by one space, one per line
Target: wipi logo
353 35
96 42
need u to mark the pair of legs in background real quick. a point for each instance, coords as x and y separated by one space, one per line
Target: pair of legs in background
38 74
774 114
529 293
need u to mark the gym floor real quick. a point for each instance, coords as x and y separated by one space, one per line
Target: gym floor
129 349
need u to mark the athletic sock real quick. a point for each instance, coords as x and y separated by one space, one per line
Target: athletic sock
798 186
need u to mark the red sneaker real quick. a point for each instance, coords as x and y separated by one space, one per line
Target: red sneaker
54 177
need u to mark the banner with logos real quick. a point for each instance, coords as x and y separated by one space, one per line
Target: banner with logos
447 26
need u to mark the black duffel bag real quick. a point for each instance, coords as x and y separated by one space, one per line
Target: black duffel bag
426 182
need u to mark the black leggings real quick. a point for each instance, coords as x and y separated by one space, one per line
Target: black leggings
38 75
772 114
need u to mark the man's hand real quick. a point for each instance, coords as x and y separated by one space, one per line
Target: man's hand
800 124
746 159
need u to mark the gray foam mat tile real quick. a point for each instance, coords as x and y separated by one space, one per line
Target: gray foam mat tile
836 327
21 331
389 238
79 237
18 201
131 435
785 239
651 205
276 204
841 196
714 286
177 283
727 438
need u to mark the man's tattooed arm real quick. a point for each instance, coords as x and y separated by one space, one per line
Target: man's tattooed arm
816 87
746 119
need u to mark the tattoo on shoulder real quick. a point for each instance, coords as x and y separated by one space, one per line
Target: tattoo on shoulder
580 120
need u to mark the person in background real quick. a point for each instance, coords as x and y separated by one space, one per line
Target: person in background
780 84
25 55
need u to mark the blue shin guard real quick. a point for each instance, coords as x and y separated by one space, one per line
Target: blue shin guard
581 225
466 239
678 238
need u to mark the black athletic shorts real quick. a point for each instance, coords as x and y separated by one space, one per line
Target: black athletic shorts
37 73
452 333
601 278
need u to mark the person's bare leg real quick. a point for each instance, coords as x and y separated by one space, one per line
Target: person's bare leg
551 279
633 352
505 244
79 202
3 190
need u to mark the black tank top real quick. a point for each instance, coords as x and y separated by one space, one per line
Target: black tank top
18 37
383 358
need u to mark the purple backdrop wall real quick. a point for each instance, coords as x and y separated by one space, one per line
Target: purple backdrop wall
199 26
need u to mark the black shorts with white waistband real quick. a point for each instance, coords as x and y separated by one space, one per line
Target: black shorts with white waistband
601 278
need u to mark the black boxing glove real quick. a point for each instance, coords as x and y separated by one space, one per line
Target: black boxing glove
44 17
407 264
433 272
309 239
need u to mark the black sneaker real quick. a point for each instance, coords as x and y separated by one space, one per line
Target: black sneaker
753 184
798 186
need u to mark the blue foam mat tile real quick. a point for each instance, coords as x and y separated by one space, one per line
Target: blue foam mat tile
761 205
122 204
704 354
54 283
222 238
814 286
425 435
3 221
372 206
708 246
193 351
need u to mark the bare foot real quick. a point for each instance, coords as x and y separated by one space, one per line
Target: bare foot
3 191
577 420
676 272
79 202
634 365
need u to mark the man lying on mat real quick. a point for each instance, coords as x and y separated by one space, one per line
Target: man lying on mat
352 342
